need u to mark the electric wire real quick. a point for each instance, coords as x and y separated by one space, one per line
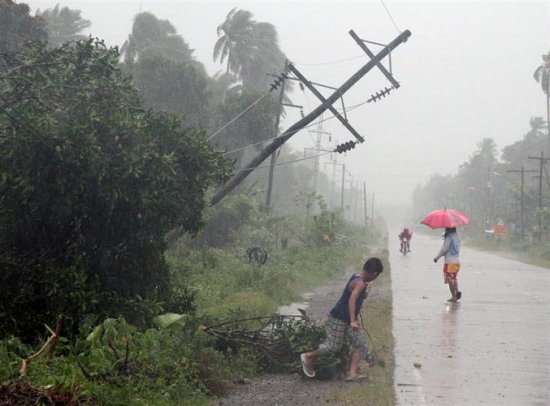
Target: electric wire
249 145
308 126
238 115
332 62
286 163
391 18
306 98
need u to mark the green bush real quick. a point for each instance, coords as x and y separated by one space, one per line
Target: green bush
90 183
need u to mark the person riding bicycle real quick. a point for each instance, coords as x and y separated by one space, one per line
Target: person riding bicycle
405 236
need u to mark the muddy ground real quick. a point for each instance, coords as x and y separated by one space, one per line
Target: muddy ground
296 389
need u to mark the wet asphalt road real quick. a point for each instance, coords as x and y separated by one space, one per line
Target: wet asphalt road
491 348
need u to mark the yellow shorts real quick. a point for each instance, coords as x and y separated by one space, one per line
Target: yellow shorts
451 268
450 271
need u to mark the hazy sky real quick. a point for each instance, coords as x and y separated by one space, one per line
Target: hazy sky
466 72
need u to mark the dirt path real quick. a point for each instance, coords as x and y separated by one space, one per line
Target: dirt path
295 389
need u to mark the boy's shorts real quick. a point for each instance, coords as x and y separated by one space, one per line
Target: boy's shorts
338 332
450 271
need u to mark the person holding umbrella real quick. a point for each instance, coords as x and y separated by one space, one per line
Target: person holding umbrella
448 219
451 251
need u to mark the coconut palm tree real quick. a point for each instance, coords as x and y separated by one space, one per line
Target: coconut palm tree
63 25
156 38
251 49
236 40
537 124
223 85
264 58
17 27
542 75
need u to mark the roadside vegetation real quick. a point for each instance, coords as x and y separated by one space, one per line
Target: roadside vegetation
532 252
502 191
118 283
168 357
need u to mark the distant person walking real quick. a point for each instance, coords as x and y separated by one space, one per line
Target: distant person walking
342 322
451 251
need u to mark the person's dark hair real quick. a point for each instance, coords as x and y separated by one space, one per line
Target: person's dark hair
373 265
450 230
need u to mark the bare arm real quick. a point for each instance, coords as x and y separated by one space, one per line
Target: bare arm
446 247
358 287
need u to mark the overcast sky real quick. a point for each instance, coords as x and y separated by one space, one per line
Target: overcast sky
466 72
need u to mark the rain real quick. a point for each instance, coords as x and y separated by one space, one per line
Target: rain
202 178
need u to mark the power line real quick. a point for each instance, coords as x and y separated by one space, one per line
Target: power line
288 162
389 15
332 62
311 125
327 103
308 126
249 145
238 115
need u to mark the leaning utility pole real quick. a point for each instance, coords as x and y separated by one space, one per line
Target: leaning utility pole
542 161
522 206
299 125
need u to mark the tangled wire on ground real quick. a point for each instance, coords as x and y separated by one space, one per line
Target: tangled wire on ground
278 341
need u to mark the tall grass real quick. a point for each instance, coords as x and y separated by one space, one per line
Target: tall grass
227 282
530 251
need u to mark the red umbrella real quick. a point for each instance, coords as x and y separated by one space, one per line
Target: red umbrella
445 218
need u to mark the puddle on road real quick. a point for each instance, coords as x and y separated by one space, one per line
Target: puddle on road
292 309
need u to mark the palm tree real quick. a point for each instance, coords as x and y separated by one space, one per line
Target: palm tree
251 49
156 38
235 39
536 124
63 25
542 75
224 85
17 27
264 58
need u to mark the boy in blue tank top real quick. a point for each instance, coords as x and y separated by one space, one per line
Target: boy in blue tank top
342 322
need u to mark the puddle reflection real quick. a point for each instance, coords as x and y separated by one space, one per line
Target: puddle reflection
449 326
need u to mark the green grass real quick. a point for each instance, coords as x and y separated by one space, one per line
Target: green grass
530 252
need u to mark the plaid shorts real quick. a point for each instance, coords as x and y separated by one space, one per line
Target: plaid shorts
338 332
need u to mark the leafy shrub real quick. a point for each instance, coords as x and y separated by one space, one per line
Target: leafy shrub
90 183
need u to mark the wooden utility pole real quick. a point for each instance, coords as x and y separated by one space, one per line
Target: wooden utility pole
274 154
355 201
542 160
343 188
365 203
372 209
548 120
522 205
300 124
343 183
320 132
